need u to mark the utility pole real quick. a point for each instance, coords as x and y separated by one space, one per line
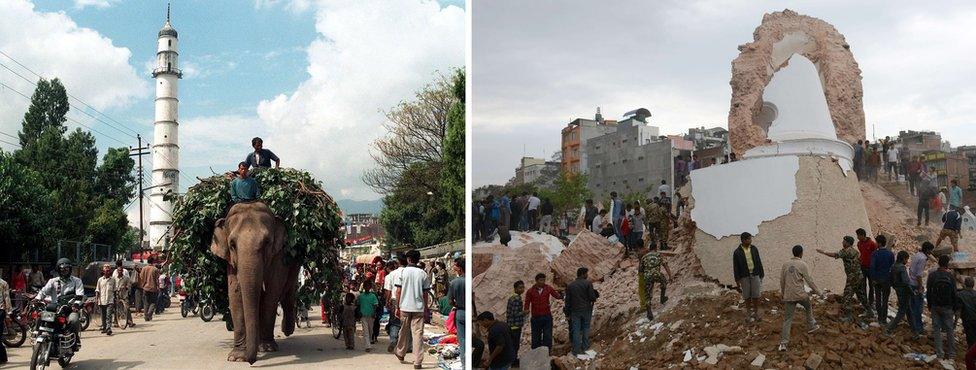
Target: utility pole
139 152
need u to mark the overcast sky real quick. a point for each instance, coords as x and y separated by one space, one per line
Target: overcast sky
538 65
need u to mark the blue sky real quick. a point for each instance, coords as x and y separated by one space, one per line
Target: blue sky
310 76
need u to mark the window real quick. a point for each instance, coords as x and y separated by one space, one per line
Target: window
640 179
640 158
170 42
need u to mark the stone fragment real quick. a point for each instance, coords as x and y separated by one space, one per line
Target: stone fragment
759 360
813 362
536 359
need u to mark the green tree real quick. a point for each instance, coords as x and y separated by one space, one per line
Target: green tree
24 209
452 176
83 201
568 191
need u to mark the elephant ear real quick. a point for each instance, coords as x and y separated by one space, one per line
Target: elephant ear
280 239
220 245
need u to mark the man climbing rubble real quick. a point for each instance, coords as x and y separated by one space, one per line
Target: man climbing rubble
852 268
537 303
865 247
659 218
943 301
580 297
794 278
650 271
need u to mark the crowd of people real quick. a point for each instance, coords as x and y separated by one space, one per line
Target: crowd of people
408 290
511 212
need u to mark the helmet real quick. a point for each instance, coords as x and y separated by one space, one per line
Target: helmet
64 262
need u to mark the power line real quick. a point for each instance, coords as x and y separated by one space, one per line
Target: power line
66 116
9 143
69 104
69 94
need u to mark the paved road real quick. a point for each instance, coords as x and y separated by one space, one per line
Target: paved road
172 342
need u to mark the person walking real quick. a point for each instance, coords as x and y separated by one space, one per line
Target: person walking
5 308
105 298
500 347
925 194
901 283
855 279
865 247
349 314
794 278
664 190
515 317
412 291
456 293
747 269
649 270
394 324
951 227
880 277
916 272
580 297
967 310
122 286
942 302
538 305
892 161
636 221
367 302
914 172
149 276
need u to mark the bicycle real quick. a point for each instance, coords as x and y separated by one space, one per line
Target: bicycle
15 329
121 313
335 316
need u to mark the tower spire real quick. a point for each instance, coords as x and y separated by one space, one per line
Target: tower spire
167 11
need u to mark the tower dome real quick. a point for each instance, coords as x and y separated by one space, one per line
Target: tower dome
167 29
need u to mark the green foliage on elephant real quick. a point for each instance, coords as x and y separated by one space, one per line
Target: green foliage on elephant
311 216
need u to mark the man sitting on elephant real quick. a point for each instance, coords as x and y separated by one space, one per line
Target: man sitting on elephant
243 188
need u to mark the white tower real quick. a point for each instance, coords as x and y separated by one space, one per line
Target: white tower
165 148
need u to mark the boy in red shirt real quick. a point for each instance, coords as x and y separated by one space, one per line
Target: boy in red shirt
537 303
866 247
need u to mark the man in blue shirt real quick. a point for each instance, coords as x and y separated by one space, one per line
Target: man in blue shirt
243 188
261 157
955 196
882 259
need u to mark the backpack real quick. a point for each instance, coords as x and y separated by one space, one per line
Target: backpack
943 288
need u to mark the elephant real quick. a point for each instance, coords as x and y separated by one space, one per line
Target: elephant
251 239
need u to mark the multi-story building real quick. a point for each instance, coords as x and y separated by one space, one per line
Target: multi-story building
949 166
574 138
969 151
362 228
532 169
920 142
632 159
708 138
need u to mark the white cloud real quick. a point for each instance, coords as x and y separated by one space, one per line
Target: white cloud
91 67
369 56
81 4
217 141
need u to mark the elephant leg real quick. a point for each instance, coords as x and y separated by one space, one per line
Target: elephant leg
288 300
237 315
273 282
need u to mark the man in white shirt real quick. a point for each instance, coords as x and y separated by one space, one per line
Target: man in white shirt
533 207
892 161
105 298
664 189
68 286
391 301
412 288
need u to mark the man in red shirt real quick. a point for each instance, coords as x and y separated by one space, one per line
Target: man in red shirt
537 302
866 247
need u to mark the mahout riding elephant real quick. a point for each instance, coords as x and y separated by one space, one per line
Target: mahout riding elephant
251 239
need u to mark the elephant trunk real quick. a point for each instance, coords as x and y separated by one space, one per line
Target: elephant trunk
251 280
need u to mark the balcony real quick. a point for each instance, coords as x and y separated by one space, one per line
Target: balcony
167 70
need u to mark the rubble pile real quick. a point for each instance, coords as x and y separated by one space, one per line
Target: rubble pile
710 330
590 250
497 267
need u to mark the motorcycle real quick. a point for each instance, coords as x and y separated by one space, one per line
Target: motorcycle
87 310
188 304
54 336
207 309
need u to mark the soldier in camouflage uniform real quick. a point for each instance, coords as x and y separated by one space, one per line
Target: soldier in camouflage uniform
650 270
852 268
663 221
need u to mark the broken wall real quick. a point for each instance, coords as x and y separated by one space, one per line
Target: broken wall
828 206
759 60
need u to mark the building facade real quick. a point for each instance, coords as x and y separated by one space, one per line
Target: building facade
532 169
948 167
166 145
920 142
632 159
574 138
